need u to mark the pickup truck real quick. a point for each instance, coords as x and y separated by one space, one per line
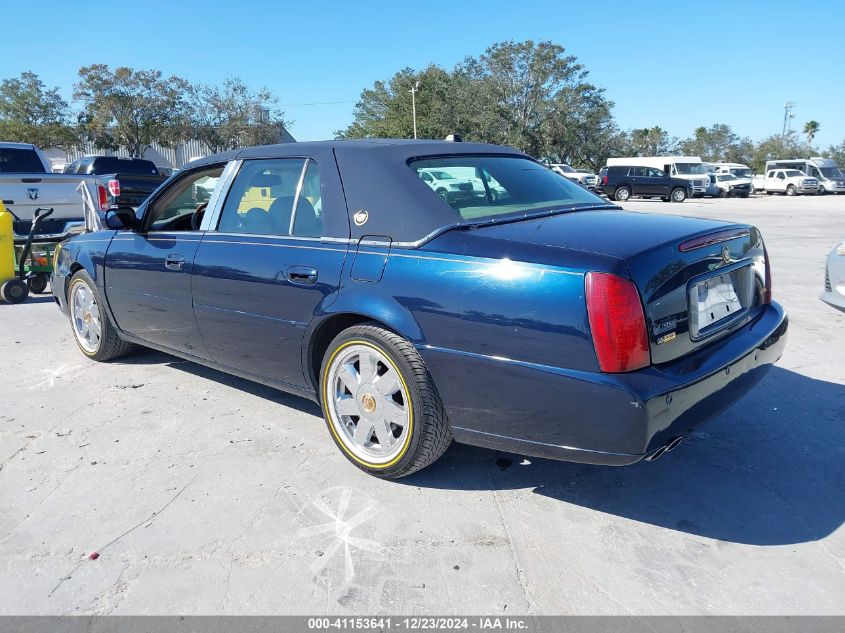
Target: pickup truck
137 177
26 184
789 181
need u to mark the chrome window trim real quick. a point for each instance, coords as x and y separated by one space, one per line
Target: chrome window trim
215 205
296 195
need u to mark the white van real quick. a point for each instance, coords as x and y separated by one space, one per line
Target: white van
737 169
687 167
830 177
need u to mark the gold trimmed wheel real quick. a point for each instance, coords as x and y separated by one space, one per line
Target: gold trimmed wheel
92 330
380 403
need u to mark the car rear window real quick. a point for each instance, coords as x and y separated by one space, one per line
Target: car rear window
115 165
20 161
482 187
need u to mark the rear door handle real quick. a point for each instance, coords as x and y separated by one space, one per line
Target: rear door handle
302 275
174 262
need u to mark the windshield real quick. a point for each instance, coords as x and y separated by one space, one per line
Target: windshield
742 173
690 169
831 172
502 185
565 169
793 173
20 161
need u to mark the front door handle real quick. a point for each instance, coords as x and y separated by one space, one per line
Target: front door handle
174 262
302 275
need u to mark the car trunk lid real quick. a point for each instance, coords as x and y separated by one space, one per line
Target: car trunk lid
698 279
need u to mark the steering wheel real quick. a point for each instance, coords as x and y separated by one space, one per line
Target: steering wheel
197 215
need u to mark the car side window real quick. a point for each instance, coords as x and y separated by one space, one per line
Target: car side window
275 197
639 172
781 176
655 173
182 198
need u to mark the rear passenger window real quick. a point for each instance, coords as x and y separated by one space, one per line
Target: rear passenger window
275 197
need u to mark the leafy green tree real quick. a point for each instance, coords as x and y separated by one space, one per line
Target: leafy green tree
232 115
811 128
654 141
532 96
774 148
718 143
32 113
837 153
131 108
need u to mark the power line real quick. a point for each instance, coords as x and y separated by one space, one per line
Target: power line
313 103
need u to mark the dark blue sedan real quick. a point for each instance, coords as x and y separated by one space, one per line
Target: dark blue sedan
422 291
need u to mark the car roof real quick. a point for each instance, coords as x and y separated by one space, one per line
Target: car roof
376 179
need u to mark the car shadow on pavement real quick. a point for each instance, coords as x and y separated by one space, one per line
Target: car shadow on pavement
145 356
769 471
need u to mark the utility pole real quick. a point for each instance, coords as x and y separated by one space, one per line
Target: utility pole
414 92
787 117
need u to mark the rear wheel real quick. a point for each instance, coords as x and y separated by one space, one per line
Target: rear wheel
380 403
14 291
622 194
94 333
38 283
679 195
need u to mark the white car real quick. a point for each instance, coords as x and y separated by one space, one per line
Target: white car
583 177
445 183
834 278
730 186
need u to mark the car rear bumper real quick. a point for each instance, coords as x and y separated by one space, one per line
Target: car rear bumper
611 419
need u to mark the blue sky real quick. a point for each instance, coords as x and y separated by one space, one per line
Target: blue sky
675 64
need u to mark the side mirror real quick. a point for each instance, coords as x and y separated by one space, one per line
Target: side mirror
121 219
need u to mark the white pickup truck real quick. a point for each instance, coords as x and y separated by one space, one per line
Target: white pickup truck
789 181
27 184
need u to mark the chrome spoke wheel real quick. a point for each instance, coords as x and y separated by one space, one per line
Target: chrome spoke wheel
85 316
368 403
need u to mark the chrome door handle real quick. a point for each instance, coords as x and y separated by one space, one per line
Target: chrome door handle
174 262
302 275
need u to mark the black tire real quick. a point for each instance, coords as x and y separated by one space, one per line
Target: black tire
678 194
429 437
790 190
622 194
14 291
38 284
110 346
821 191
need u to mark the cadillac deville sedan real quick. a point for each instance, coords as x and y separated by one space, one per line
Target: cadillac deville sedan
530 316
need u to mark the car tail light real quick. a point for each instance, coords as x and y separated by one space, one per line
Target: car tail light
767 291
604 179
617 323
102 197
114 187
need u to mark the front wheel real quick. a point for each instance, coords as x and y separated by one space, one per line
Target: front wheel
93 332
380 403
790 190
821 191
679 195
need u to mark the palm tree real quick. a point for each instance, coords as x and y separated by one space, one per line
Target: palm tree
811 128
